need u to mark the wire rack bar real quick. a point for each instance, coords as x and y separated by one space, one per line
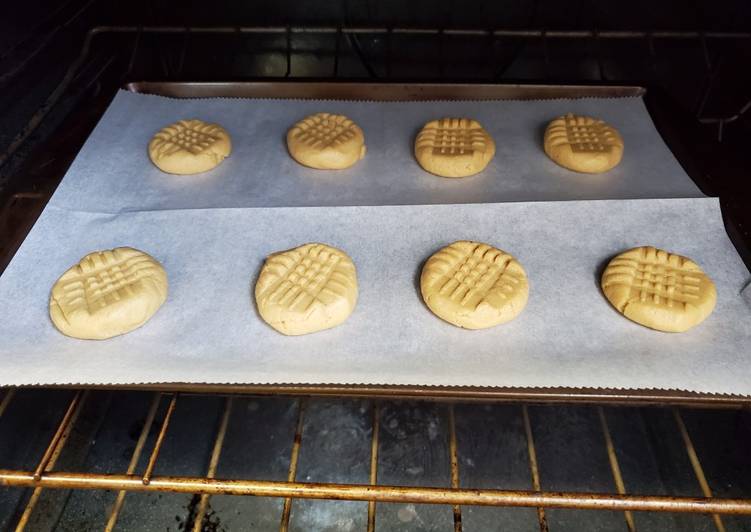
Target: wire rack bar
453 453
534 470
366 492
374 463
135 457
213 463
159 440
6 400
52 454
284 525
696 465
614 466
62 429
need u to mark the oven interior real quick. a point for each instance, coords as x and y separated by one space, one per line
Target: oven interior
61 63
403 448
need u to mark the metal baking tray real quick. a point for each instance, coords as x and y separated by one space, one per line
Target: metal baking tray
419 92
379 91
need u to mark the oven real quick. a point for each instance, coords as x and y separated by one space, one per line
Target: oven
222 457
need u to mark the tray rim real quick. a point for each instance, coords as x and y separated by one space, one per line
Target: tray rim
383 91
390 91
500 394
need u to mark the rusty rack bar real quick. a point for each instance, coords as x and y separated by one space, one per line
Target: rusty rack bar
52 453
112 520
374 463
454 457
7 398
58 439
213 463
366 492
43 476
532 454
284 525
696 465
615 468
159 440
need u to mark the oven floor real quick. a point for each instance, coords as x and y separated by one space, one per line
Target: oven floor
413 450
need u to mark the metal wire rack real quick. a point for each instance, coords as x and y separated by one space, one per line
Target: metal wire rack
140 474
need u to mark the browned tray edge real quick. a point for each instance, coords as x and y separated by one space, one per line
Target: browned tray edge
314 90
413 92
444 393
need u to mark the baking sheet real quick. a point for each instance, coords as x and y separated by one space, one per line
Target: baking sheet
112 173
208 330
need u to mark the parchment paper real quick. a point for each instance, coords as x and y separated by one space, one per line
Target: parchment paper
112 173
208 330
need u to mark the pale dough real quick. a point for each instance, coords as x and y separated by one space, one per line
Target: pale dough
583 144
474 285
108 293
454 147
306 289
658 289
326 142
189 147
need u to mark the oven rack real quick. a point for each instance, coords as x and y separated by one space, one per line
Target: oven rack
141 473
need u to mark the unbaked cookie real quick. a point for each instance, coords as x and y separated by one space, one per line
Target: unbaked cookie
474 285
454 147
658 289
189 147
108 293
583 144
306 289
326 142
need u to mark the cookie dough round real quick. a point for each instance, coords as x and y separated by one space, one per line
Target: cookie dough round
326 142
583 144
306 289
108 293
474 285
658 289
454 147
189 147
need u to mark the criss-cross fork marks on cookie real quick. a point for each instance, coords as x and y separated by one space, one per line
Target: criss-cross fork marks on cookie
471 277
308 276
192 136
455 141
324 130
453 137
583 134
655 277
101 280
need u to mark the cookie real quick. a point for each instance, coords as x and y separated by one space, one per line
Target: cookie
658 289
583 144
108 293
474 285
326 142
189 147
306 289
454 147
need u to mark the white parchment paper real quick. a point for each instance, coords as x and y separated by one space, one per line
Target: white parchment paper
112 173
208 330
